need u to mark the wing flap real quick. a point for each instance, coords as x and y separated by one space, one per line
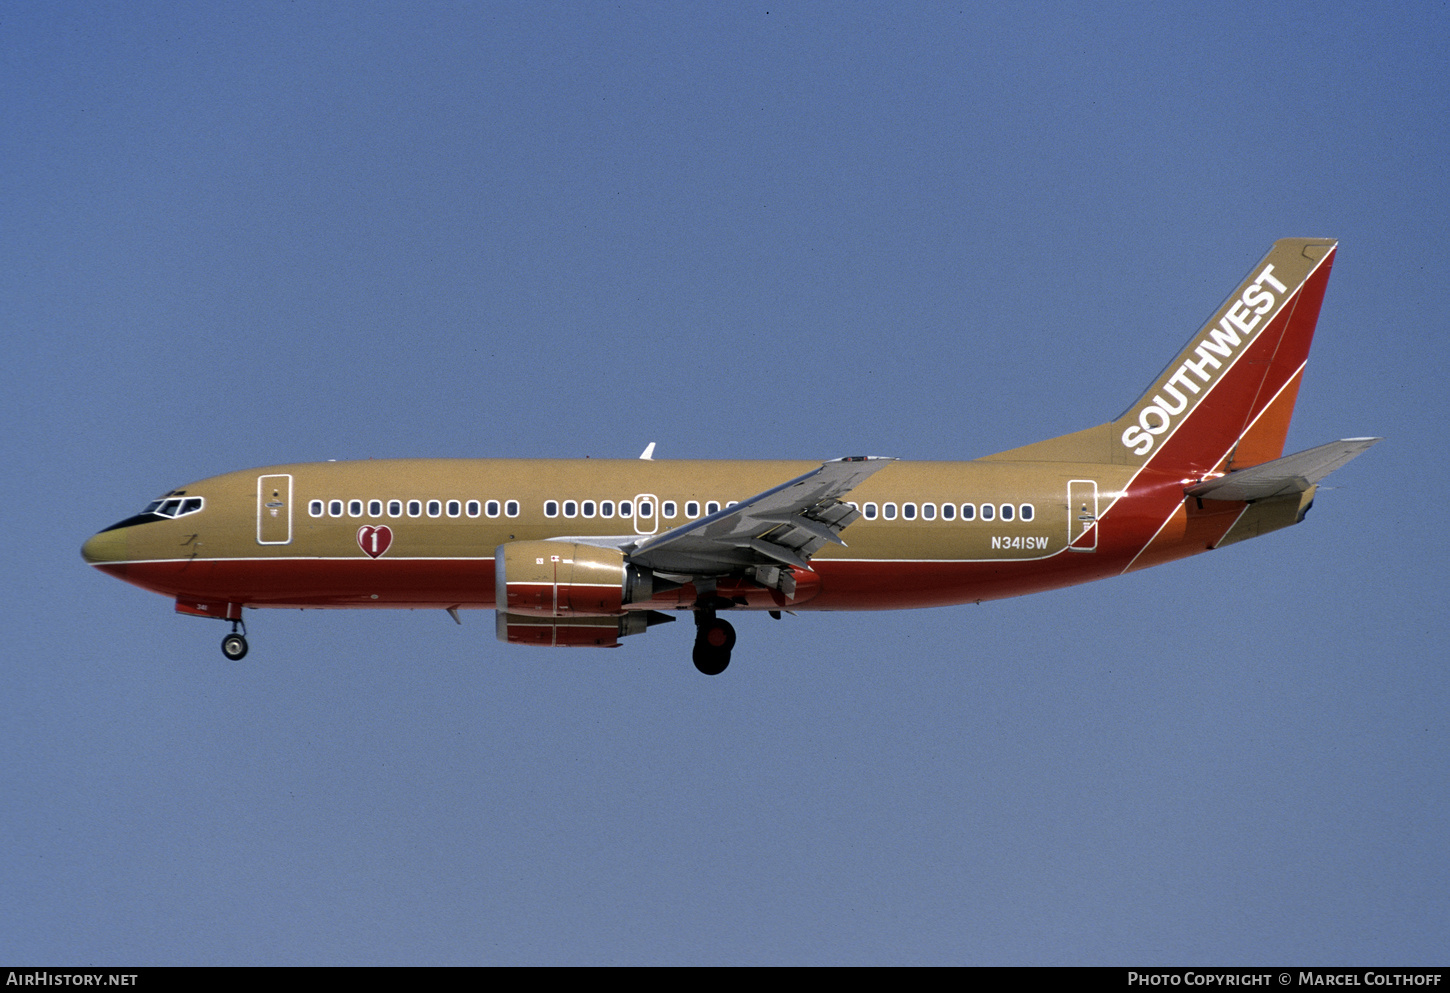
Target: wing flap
1282 477
787 524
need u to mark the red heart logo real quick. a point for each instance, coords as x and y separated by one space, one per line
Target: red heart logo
374 540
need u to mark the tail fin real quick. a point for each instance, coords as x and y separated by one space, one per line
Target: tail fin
1225 402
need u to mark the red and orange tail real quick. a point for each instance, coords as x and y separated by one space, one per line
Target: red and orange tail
1225 402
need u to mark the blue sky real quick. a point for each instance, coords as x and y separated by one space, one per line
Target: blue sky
289 232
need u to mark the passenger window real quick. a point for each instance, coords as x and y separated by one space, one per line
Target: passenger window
395 508
626 509
472 509
987 511
870 512
948 511
606 508
646 509
415 508
928 511
435 508
908 511
375 508
315 508
692 509
1026 512
571 509
454 508
551 508
334 509
354 508
713 507
888 511
1006 511
668 509
491 508
587 508
511 508
969 511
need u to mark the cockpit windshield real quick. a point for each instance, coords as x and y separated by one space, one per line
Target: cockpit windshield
174 506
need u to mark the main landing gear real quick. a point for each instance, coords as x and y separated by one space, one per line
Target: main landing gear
713 640
234 645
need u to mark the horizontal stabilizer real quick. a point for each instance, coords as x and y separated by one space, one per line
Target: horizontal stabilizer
1281 477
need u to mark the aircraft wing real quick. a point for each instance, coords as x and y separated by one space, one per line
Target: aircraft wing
1281 477
782 526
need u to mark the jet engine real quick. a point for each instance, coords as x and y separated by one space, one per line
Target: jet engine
565 579
575 632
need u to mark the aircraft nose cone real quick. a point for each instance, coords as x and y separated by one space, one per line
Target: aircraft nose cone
108 546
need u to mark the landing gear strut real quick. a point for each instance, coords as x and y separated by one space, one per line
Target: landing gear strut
234 645
713 640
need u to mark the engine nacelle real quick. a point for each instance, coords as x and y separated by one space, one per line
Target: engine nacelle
565 579
573 632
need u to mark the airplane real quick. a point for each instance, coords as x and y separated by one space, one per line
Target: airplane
582 553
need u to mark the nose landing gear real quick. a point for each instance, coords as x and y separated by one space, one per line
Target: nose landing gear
234 645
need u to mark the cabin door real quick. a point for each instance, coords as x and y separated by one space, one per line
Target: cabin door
1082 515
274 510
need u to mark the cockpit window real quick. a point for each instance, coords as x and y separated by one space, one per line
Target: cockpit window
175 506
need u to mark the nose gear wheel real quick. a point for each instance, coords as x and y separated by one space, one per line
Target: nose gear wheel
234 645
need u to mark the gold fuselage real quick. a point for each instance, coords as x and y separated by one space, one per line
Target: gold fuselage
240 550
